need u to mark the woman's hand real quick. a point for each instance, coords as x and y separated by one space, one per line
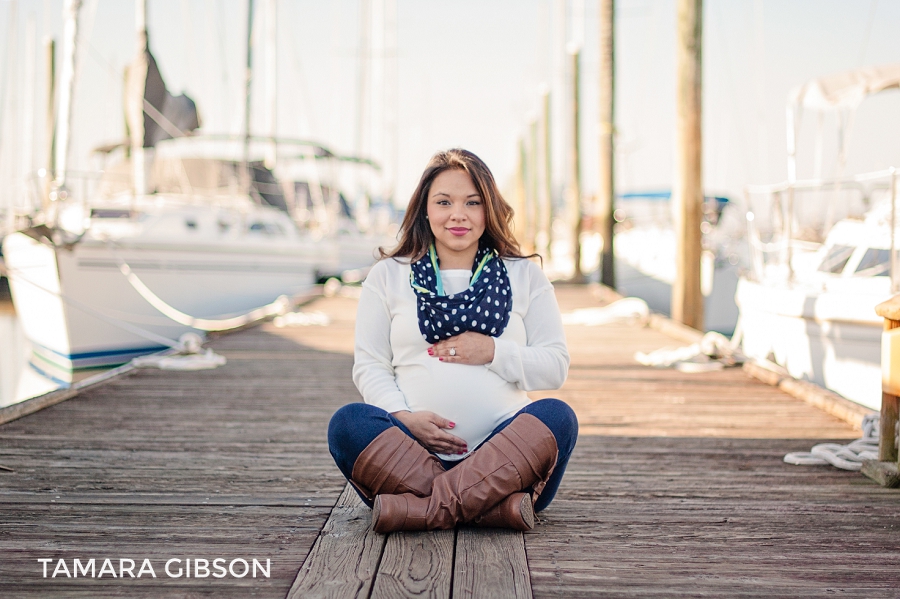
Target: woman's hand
467 348
428 428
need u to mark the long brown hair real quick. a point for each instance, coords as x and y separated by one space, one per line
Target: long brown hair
415 232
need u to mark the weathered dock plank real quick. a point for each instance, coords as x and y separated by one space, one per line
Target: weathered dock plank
490 563
676 487
416 564
231 463
345 558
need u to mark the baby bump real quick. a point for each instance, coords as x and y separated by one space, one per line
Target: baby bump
473 397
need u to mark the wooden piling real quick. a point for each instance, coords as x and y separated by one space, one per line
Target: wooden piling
574 212
545 195
533 185
520 193
687 299
606 194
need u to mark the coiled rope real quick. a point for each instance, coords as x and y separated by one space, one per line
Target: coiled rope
845 457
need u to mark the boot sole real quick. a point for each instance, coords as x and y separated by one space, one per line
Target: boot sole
526 508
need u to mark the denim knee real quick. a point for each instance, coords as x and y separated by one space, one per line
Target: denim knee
350 431
559 418
346 420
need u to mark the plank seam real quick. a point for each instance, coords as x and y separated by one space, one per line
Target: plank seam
453 562
377 568
313 544
527 559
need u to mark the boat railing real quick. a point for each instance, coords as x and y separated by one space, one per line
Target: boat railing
40 198
791 217
39 190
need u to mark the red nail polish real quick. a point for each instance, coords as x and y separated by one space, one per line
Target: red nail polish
452 424
441 359
430 351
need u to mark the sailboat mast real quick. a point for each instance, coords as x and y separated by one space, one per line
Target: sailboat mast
8 104
30 78
248 80
138 133
66 88
50 119
272 79
362 76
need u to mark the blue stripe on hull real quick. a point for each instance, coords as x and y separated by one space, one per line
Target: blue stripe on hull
94 359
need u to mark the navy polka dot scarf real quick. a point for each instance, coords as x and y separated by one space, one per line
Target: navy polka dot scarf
484 307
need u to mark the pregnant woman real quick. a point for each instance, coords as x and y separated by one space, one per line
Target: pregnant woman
454 326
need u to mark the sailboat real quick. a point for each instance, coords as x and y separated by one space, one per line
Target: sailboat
120 263
307 180
823 255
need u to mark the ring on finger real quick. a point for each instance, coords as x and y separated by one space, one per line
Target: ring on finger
452 351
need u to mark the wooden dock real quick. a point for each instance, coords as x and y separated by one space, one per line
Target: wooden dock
676 486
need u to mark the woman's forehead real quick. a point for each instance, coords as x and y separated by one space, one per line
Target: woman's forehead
453 182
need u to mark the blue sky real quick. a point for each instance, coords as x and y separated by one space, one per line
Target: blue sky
469 74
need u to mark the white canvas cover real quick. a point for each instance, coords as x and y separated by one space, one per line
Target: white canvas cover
845 90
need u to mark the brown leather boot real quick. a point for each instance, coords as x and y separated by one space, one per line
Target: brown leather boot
395 463
520 456
515 512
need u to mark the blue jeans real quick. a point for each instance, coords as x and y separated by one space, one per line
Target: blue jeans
356 425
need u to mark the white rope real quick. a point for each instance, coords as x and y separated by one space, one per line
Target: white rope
302 319
625 309
279 306
193 357
845 457
713 352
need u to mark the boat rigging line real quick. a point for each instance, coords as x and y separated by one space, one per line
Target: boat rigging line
276 308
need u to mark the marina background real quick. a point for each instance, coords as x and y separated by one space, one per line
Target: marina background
397 80
686 478
469 74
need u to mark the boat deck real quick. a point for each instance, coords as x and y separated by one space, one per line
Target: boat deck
676 486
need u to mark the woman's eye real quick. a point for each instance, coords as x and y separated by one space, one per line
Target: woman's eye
474 202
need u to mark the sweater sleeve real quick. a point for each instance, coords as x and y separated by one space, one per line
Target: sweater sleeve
373 372
544 362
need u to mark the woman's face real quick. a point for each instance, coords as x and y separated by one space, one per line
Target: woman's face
456 215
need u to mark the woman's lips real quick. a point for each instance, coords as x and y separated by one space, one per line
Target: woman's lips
458 231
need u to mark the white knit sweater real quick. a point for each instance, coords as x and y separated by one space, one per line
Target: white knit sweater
392 368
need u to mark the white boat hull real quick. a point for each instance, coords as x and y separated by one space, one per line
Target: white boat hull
645 268
79 310
832 339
